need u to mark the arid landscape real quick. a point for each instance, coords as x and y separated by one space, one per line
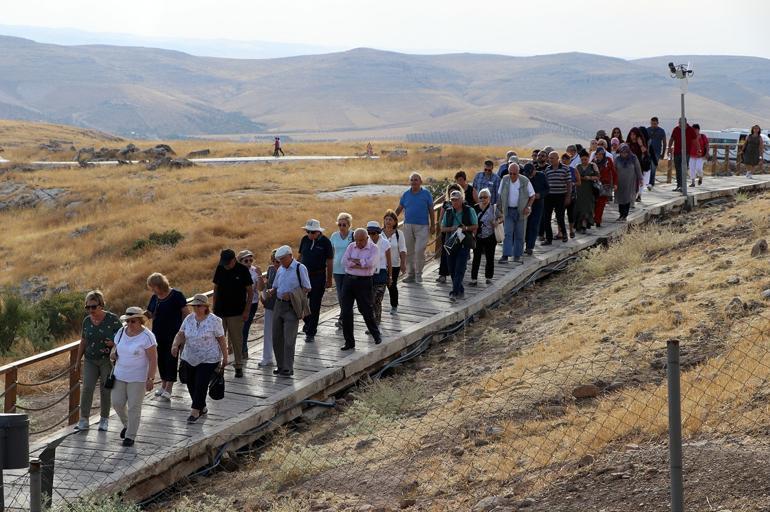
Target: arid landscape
556 399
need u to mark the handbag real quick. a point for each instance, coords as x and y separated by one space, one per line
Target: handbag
109 382
217 385
184 371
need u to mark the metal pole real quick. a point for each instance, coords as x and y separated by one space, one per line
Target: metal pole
35 486
683 154
675 427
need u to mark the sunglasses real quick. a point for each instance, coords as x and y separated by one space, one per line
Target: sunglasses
199 305
247 260
133 321
90 307
342 224
312 232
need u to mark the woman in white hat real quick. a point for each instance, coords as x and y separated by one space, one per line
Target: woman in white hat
317 254
201 340
135 356
246 258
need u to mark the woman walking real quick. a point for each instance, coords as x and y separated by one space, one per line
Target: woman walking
586 192
167 308
608 178
753 150
340 240
485 238
268 302
617 134
135 356
397 254
201 340
96 340
629 179
246 258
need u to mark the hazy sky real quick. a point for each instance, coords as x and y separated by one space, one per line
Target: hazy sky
622 29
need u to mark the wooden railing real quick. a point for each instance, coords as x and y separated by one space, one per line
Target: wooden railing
10 372
719 158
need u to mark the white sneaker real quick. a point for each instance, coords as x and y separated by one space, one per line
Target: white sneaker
394 311
158 391
263 364
104 424
82 424
165 395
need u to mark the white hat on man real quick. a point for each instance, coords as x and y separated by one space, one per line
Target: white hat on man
313 225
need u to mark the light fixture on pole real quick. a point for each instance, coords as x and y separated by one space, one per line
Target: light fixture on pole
682 72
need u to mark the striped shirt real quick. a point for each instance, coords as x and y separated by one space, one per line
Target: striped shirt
558 179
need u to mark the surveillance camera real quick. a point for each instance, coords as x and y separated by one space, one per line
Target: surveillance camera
672 68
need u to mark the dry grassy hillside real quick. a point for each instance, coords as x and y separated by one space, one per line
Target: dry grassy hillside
556 401
90 234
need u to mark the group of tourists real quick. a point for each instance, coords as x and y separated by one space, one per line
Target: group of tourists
513 204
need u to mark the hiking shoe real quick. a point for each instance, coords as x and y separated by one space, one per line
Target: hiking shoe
692 184
441 279
394 310
82 424
128 442
528 252
239 373
489 281
503 260
104 424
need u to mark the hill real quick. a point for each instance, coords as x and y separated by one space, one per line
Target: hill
365 93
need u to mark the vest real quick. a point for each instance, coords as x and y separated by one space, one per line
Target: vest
502 198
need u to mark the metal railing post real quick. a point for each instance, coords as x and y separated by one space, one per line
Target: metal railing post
675 426
35 486
74 381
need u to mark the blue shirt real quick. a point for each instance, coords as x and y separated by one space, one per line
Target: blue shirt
416 206
340 244
492 182
657 140
286 279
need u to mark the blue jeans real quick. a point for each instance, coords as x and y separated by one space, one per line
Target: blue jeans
458 262
653 168
514 234
533 223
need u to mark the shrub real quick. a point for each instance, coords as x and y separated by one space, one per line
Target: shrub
380 402
98 503
64 312
169 238
37 331
437 188
13 314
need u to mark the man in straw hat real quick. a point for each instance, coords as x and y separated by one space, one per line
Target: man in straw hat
291 277
233 292
317 254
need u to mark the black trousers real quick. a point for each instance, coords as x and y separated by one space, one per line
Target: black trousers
167 364
198 379
624 209
316 295
359 290
393 288
486 247
678 167
554 202
571 212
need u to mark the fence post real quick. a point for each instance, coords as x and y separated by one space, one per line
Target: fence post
714 161
675 426
74 398
11 376
35 486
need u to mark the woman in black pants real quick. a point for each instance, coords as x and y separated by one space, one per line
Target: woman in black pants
485 238
201 340
397 255
443 266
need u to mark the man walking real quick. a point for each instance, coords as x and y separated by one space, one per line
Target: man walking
419 223
277 147
290 280
514 203
539 182
487 179
317 254
233 291
699 149
675 142
361 260
559 196
460 224
657 147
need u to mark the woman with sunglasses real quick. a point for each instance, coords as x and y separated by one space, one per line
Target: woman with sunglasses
340 240
96 341
246 258
135 356
201 340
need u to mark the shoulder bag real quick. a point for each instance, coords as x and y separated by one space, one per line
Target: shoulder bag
109 382
217 385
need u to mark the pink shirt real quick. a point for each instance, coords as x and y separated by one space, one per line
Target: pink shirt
369 257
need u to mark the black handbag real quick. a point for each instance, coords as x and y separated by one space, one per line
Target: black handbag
217 385
109 382
183 372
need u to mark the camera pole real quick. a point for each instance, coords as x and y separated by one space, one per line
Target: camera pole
682 132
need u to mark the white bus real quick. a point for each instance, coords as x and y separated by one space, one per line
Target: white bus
733 136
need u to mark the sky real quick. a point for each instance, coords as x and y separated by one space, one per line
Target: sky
535 27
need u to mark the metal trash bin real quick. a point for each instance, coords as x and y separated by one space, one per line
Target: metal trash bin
14 441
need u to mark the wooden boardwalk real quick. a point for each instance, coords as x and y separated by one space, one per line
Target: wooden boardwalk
167 449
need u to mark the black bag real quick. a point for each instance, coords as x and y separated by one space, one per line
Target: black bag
109 382
217 385
184 369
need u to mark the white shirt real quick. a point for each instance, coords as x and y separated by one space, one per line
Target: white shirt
575 161
201 345
513 192
254 278
132 363
286 278
398 242
383 246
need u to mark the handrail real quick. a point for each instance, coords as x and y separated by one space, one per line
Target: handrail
10 371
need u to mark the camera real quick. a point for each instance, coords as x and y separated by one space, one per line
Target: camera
680 71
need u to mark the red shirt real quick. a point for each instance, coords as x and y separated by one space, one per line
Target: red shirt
689 134
699 146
